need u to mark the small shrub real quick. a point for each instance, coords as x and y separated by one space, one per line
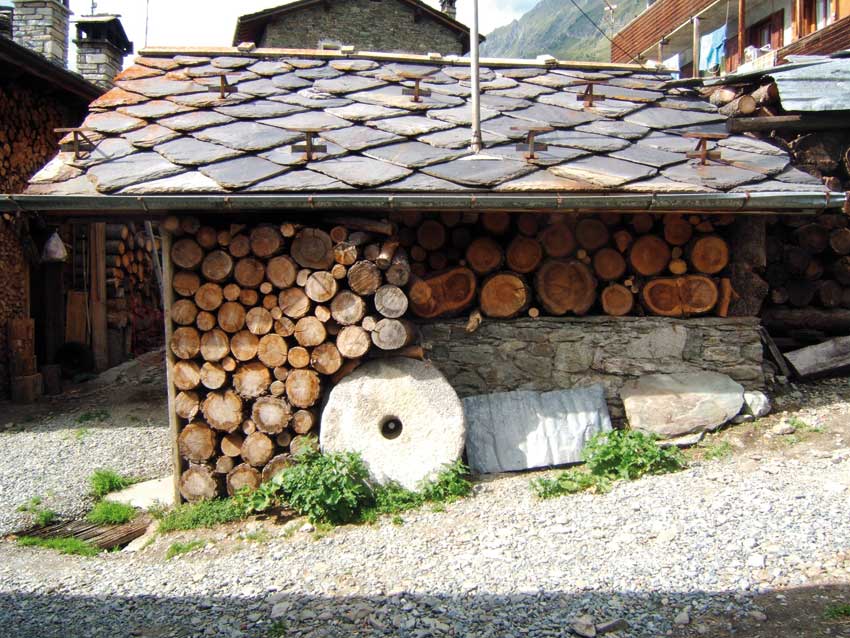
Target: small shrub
105 481
45 517
199 515
839 611
569 482
109 513
717 451
93 415
801 426
629 454
42 516
177 549
450 485
63 545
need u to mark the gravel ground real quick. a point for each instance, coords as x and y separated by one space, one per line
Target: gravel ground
49 450
715 550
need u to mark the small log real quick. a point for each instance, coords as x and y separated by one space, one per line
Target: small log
722 96
196 442
187 405
338 234
224 465
814 238
830 293
283 439
259 321
678 266
223 410
617 300
524 254
352 342
284 327
301 444
325 358
364 278
248 297
528 224
392 334
680 296
438 261
249 272
591 234
345 253
309 332
266 241
303 388
677 231
431 235
231 317
244 345
391 302
240 246
185 283
251 380
504 295
368 324
272 350
565 286
298 357
386 254
801 293
398 274
450 292
321 286
217 266
649 255
642 223
608 264
243 477
294 303
302 276
740 106
364 224
312 248
281 271
474 321
215 345
303 421
231 292
186 254
213 376
709 254
484 256
231 444
623 240
186 375
288 229
275 466
277 388
557 240
271 415
186 342
495 223
347 308
184 312
209 297
839 241
197 483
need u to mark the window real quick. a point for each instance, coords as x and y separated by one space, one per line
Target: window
768 32
816 14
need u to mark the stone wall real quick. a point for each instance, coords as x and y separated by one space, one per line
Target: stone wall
551 353
388 25
42 26
98 62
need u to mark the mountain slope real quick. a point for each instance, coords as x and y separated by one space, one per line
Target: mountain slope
556 27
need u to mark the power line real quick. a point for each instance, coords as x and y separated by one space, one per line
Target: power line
605 35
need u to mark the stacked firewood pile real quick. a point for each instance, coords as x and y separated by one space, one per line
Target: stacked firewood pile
265 319
667 265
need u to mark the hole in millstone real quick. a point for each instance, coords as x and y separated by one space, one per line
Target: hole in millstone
391 427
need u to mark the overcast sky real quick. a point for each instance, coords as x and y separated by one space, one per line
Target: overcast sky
211 22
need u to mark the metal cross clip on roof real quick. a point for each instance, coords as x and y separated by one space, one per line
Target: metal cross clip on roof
417 92
701 152
309 148
530 147
588 98
224 88
80 143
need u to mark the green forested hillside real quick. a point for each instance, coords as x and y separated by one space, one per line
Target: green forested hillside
556 27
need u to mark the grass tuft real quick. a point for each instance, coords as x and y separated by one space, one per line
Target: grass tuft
63 545
176 549
42 516
717 451
839 611
93 415
109 513
199 515
105 481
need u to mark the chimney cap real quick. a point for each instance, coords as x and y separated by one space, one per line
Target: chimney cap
7 4
104 27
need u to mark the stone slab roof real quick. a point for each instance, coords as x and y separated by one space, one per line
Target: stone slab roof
165 129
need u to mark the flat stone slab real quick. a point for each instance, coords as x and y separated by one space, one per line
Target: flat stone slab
160 87
413 154
246 136
269 68
411 125
459 137
150 136
290 82
661 118
153 110
356 138
298 181
242 171
479 172
147 494
360 171
554 115
345 84
510 431
132 169
184 183
308 120
193 152
195 120
603 171
615 128
429 430
259 109
358 112
675 405
650 156
111 122
583 140
717 176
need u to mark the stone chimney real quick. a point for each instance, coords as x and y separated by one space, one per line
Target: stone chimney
7 10
448 7
101 47
42 26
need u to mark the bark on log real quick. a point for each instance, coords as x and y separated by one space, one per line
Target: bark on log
617 300
302 388
565 286
743 105
504 295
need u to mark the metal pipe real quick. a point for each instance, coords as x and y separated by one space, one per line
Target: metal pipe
475 144
158 205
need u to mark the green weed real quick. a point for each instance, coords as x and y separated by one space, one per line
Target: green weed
277 629
80 433
42 516
199 515
801 426
717 451
397 520
790 439
258 536
62 545
451 484
839 611
611 456
176 549
109 513
93 415
105 481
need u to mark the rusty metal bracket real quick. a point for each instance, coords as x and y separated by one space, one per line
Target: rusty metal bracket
80 144
530 147
224 89
588 97
417 91
309 148
701 151
846 208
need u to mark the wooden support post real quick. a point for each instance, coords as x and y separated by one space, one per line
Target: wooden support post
695 53
742 30
168 300
97 295
157 268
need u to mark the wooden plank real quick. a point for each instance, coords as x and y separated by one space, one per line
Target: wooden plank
102 536
97 295
821 358
76 311
774 353
173 421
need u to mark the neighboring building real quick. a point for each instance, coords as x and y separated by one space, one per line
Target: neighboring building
758 34
408 26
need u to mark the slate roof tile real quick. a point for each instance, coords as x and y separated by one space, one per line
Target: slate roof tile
356 138
543 181
242 171
132 169
159 87
360 171
554 115
246 136
113 122
583 140
316 121
413 154
318 73
268 68
290 82
717 176
615 128
650 156
286 156
194 120
461 114
420 182
298 181
411 125
192 182
150 136
603 171
553 81
193 152
550 157
459 137
658 117
524 91
208 99
482 173
357 112
117 97
309 99
347 84
258 109
153 109
231 62
353 66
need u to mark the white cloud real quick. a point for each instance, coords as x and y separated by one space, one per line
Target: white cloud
211 22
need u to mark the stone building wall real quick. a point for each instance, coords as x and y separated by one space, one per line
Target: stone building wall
555 353
99 62
388 25
42 26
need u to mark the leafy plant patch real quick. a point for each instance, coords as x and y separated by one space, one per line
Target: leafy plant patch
176 549
63 545
109 513
199 515
42 516
105 481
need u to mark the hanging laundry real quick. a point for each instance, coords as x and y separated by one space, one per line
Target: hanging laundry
711 49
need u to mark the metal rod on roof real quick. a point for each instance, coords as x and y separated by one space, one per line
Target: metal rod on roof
475 144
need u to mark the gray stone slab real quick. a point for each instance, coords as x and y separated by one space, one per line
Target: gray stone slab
285 156
242 171
191 60
160 87
622 93
520 73
110 122
615 128
508 127
672 143
247 136
57 170
125 171
312 120
603 171
232 77
544 181
461 115
413 154
195 120
262 87
355 138
759 162
637 83
231 62
364 172
688 104
392 97
357 112
297 181
675 405
452 88
464 73
750 145
270 68
411 125
479 172
194 152
502 103
511 431
650 156
499 83
81 185
153 109
208 71
710 127
352 66
347 84
209 99
585 76
420 182
259 109
606 108
183 184
661 184
550 157
717 176
796 176
658 117
583 140
109 149
150 136
524 91
459 137
310 99
318 73
554 81
290 82
554 115
305 63
776 186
